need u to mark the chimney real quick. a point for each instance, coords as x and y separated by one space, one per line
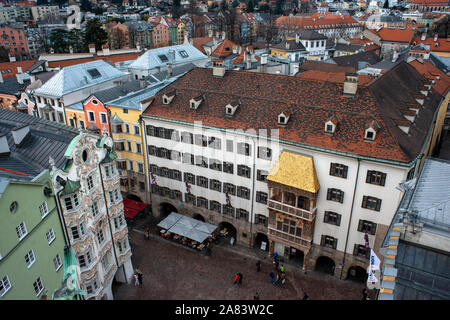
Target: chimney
287 45
169 70
218 68
171 55
423 37
138 46
217 34
248 61
186 38
215 41
224 34
142 83
92 48
70 49
395 56
20 134
4 146
210 33
1 77
240 50
32 78
264 58
350 84
105 50
12 58
435 37
19 75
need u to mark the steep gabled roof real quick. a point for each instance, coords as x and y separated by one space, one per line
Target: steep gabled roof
264 96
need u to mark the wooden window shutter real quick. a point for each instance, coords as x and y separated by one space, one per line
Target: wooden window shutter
322 240
335 243
332 169
326 217
341 196
338 221
373 229
355 249
378 205
369 174
360 225
383 179
345 172
364 202
329 194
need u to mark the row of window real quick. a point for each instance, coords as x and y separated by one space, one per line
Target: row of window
72 202
120 146
202 202
373 177
205 141
201 161
117 128
122 165
368 202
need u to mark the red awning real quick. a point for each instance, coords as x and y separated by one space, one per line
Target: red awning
131 208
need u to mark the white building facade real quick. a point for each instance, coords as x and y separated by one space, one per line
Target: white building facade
88 194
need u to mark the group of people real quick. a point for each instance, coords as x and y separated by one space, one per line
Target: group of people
280 276
138 277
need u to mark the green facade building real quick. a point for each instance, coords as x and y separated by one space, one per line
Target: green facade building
31 238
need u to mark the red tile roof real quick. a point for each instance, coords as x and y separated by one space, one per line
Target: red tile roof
396 34
429 71
224 49
199 42
264 96
335 77
9 69
319 20
430 2
114 58
443 44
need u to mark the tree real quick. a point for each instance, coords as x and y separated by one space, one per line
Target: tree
95 34
279 7
85 6
386 4
264 8
235 3
59 40
114 19
145 17
250 6
75 39
176 9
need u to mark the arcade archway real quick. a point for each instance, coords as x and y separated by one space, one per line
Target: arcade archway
259 239
229 228
199 217
134 197
325 265
357 274
165 209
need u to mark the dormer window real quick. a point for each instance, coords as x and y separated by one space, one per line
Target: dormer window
231 108
168 97
331 124
371 131
329 128
283 118
195 102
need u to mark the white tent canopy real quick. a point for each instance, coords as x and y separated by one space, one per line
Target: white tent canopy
187 227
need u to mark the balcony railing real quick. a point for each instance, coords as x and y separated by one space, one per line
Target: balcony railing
286 237
297 212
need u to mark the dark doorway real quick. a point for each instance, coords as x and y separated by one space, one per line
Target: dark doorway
165 209
134 197
259 238
230 230
199 217
296 256
357 274
325 265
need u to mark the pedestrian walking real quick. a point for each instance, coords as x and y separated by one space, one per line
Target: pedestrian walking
272 276
282 268
140 277
305 296
256 296
364 294
277 281
240 278
276 265
236 278
258 266
283 278
136 280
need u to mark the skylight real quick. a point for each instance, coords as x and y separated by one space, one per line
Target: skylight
163 58
94 73
183 54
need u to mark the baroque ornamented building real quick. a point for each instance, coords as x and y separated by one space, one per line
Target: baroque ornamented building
88 193
311 173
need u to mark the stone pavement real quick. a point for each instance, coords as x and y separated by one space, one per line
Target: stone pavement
174 272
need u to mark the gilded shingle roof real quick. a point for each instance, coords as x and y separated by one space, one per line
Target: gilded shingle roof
296 171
